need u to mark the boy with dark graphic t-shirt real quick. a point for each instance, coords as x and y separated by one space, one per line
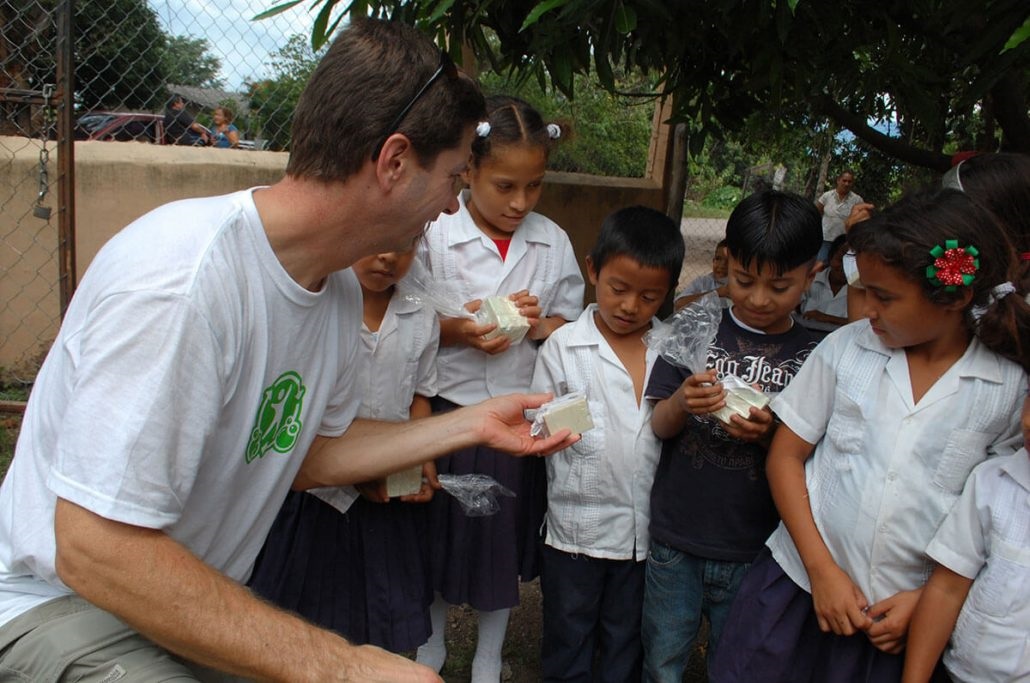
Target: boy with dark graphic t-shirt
711 509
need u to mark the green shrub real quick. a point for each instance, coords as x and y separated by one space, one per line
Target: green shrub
725 197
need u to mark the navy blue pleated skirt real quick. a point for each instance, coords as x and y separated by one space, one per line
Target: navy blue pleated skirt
478 561
363 574
772 635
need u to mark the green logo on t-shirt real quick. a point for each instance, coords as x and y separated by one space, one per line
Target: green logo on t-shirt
278 417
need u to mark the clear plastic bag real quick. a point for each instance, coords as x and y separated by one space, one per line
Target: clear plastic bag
579 422
476 493
683 338
445 298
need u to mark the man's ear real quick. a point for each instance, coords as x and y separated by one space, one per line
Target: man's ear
393 160
466 175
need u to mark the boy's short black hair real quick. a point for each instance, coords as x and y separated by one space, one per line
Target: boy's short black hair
779 229
645 235
838 242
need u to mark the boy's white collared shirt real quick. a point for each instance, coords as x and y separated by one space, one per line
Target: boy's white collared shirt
599 490
986 537
540 259
885 471
820 297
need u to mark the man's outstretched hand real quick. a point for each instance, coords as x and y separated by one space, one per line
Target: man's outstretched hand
502 425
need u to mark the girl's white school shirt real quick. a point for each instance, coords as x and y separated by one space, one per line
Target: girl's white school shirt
599 489
885 471
398 361
540 259
986 537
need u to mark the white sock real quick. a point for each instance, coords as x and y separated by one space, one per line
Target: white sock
486 665
434 652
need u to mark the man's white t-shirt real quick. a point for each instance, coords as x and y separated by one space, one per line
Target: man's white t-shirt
189 378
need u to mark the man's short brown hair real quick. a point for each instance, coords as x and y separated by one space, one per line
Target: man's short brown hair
370 72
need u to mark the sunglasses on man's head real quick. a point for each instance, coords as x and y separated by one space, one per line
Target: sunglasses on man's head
446 68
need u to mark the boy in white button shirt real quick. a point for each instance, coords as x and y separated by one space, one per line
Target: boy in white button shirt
598 492
979 593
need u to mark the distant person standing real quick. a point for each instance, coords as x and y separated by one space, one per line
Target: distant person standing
180 127
223 133
835 205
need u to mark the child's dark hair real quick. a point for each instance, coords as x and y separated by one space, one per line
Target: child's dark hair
903 236
645 235
513 122
1001 184
838 242
780 229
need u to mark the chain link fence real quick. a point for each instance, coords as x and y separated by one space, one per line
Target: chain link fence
29 301
130 59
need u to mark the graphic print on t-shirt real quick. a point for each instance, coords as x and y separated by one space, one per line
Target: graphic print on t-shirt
278 422
769 365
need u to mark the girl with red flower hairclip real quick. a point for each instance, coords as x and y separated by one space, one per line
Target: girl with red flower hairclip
878 432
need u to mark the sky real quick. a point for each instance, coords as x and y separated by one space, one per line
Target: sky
242 45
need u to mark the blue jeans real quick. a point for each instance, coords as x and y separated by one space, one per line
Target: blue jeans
824 252
679 588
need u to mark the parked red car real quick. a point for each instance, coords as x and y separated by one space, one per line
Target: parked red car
122 126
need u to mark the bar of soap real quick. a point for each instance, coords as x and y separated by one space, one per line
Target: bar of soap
739 400
404 483
573 415
504 312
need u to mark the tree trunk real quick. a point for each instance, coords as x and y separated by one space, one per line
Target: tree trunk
824 163
678 180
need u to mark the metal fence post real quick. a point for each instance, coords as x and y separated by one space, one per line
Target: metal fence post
66 151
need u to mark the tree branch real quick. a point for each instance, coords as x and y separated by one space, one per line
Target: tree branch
1010 113
892 147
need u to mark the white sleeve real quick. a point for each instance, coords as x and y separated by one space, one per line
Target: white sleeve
548 375
148 389
960 541
569 287
805 405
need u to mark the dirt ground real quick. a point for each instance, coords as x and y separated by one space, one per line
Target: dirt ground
522 645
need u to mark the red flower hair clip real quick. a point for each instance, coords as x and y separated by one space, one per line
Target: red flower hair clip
953 265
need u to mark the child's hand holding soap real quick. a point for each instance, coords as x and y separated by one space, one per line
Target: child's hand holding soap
740 396
503 311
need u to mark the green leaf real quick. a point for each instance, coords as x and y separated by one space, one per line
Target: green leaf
603 69
318 30
1020 35
439 11
793 5
278 9
540 10
561 72
625 19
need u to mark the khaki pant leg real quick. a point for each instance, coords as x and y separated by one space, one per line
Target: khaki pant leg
68 639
